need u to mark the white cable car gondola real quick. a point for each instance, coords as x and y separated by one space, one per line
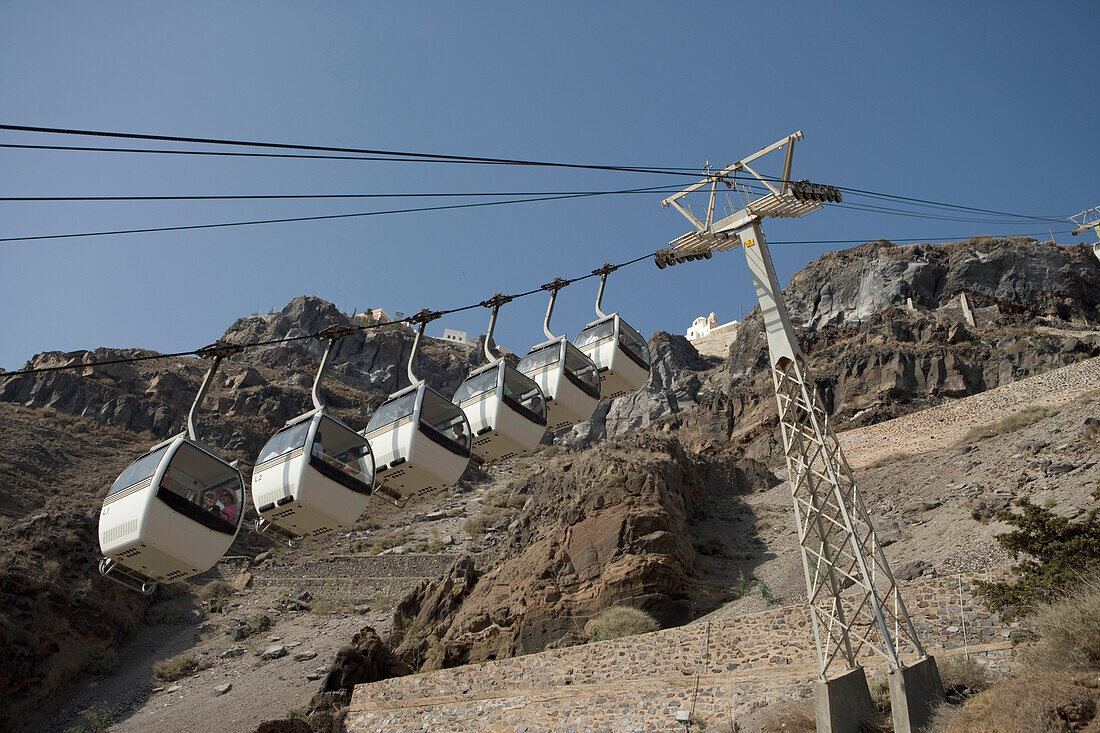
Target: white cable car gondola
566 376
421 440
174 511
505 408
619 352
316 474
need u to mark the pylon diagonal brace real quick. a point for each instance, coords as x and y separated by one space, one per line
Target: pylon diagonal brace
837 541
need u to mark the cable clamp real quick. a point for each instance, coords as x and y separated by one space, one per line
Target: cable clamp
335 332
219 349
424 316
607 269
496 301
556 284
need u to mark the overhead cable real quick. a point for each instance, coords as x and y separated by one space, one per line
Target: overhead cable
282 196
334 149
556 283
415 318
357 214
393 156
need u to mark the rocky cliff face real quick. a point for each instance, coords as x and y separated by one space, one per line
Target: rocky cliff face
373 360
1019 274
1036 307
607 526
617 524
678 373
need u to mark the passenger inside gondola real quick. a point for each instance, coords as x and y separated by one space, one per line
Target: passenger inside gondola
599 332
230 507
350 459
583 368
460 435
520 389
210 502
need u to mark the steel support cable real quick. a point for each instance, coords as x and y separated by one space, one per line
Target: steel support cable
449 311
938 204
283 196
252 222
668 171
290 339
335 149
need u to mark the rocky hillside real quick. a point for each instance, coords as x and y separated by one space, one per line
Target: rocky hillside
885 335
618 525
578 528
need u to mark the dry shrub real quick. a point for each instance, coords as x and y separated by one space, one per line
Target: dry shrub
165 613
962 676
169 670
215 590
1016 421
1068 632
104 664
1029 705
619 621
792 716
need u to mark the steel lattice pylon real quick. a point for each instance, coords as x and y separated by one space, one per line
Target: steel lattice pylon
836 538
854 601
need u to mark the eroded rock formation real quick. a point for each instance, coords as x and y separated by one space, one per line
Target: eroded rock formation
606 526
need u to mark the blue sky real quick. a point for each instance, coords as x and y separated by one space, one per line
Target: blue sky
989 105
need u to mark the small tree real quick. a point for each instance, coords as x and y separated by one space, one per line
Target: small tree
1058 553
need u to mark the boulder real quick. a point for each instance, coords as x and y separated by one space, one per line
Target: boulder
275 651
366 660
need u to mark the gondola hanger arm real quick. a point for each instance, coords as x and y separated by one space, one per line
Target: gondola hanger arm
423 317
333 334
216 351
603 272
495 303
554 287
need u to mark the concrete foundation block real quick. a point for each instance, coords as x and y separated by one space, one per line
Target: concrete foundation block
842 703
914 693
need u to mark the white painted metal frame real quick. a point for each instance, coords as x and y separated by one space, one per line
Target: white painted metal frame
854 600
1088 219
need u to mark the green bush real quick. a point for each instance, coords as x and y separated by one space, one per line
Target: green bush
619 621
1058 554
743 586
104 664
169 670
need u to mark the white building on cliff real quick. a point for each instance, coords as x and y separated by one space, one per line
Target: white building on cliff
708 337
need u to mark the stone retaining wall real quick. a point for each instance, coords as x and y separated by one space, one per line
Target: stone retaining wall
713 669
343 578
